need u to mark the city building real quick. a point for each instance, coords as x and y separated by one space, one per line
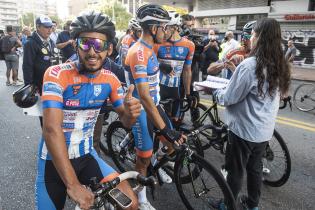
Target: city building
296 17
132 5
8 13
42 7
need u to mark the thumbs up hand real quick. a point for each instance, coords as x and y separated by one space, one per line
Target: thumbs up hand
132 105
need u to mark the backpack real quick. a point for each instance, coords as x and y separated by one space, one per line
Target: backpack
6 44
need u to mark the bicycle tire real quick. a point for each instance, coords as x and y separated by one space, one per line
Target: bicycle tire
205 136
109 117
304 97
214 178
117 131
270 156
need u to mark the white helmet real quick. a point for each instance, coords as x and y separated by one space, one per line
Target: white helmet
133 24
175 19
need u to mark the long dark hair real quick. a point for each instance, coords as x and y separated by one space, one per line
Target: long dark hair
271 64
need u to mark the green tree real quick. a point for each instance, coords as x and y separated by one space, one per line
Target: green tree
27 19
121 17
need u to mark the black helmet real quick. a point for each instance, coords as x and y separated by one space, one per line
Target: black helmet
93 22
152 14
248 27
25 96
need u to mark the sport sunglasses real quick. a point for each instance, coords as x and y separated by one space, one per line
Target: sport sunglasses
246 36
85 44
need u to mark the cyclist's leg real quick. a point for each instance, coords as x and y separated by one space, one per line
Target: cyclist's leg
144 148
50 191
94 166
173 93
254 173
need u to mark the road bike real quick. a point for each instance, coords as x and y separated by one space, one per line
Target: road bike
276 160
199 184
304 97
108 197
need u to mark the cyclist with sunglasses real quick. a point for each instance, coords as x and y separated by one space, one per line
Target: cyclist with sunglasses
129 40
73 94
143 71
234 56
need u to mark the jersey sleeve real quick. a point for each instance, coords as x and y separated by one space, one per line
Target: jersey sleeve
125 45
156 49
138 62
53 88
117 92
191 51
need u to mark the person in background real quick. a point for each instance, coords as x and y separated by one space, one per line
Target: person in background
211 52
291 52
38 52
252 102
230 43
54 35
9 44
26 32
65 43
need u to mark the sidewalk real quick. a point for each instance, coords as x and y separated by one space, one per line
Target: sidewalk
299 73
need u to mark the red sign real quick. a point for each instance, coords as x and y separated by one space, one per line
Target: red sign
299 17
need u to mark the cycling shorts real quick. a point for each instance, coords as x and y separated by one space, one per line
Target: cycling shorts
171 93
143 133
50 189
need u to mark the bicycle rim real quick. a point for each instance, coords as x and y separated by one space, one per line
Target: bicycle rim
304 97
206 191
276 162
124 158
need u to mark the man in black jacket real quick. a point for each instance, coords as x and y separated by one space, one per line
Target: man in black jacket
39 51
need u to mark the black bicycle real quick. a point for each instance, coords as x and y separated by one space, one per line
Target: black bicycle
108 197
276 160
198 183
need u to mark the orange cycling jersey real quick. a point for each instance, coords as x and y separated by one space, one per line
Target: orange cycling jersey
126 43
80 97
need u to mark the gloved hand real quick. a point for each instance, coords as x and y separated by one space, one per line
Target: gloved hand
171 135
192 101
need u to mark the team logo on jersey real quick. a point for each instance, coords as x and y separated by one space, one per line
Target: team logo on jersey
55 71
140 69
73 103
76 89
140 54
180 50
97 90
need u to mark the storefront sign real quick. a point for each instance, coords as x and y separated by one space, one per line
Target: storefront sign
300 17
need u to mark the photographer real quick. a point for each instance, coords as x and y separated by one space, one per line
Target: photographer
210 52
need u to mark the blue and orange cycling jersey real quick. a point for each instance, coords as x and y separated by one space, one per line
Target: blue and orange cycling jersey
80 97
126 43
142 66
177 55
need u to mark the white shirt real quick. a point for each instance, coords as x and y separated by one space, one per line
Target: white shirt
229 45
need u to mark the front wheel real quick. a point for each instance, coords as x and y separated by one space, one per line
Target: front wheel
276 162
121 146
304 97
207 189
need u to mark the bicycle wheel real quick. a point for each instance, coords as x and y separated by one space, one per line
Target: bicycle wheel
123 155
205 118
304 97
207 188
109 117
276 162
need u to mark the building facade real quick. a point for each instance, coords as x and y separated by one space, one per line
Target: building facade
8 13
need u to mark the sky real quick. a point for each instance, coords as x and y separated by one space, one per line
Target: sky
62 8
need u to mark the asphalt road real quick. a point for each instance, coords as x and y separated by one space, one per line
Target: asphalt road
19 136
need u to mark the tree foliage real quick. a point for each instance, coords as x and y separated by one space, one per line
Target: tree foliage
118 14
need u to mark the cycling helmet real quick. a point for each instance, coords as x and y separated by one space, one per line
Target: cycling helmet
175 18
93 22
133 24
248 27
25 96
152 14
